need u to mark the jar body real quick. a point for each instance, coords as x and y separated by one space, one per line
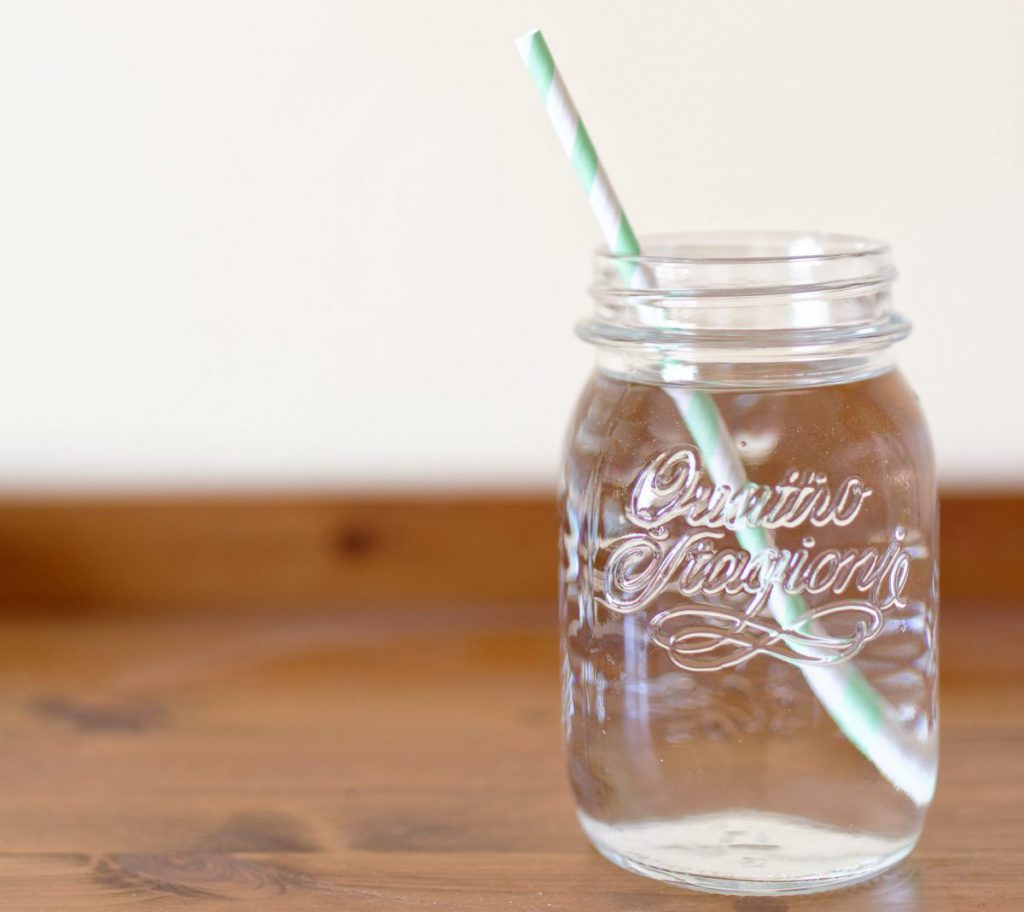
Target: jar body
749 670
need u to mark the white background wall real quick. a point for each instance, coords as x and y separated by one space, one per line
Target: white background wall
335 242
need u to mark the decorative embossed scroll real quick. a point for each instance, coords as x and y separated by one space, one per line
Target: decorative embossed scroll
720 605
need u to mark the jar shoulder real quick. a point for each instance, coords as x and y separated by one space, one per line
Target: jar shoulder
873 428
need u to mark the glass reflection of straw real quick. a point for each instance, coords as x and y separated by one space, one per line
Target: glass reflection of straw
860 712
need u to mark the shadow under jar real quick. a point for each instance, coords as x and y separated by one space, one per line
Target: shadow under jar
748 577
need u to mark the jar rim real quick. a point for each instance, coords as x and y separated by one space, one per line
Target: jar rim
750 246
742 264
758 290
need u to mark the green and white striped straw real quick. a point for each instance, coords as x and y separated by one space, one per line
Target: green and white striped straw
860 712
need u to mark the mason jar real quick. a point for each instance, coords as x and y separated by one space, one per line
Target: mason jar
749 589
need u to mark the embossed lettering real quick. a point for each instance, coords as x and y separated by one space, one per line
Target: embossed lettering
703 633
671 487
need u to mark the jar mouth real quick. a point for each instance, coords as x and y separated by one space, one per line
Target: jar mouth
745 263
746 289
754 246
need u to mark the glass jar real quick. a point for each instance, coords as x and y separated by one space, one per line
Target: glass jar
748 577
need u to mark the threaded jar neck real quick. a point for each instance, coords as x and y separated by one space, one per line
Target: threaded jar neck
746 309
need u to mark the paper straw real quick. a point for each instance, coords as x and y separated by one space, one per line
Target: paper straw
860 712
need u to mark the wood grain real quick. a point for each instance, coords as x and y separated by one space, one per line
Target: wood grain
980 546
267 554
406 759
260 554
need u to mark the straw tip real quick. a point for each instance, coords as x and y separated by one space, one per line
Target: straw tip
524 41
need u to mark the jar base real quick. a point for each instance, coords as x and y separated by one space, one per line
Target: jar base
747 852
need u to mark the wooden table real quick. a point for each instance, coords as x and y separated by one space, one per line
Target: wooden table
394 760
